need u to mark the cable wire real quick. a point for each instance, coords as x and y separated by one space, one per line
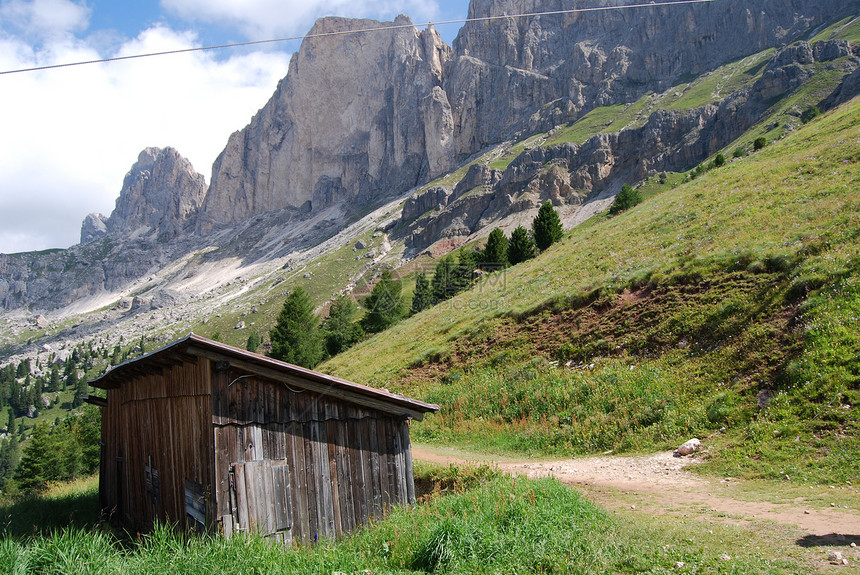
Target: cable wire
355 31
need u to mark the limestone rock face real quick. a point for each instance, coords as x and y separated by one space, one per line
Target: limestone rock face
566 174
420 203
361 117
506 71
160 196
93 227
349 124
365 117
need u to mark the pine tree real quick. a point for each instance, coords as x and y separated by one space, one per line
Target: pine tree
10 453
547 226
81 392
626 199
340 329
40 462
496 252
422 298
384 305
53 454
253 342
72 379
442 284
464 272
296 337
116 357
54 383
521 247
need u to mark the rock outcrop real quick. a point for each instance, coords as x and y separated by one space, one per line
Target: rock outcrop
670 141
160 197
505 72
362 117
349 124
93 227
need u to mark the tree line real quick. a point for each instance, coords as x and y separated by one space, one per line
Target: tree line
35 451
301 338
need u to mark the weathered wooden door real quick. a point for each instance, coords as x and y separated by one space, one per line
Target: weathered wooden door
260 498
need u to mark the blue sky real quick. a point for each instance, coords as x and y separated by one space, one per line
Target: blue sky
70 135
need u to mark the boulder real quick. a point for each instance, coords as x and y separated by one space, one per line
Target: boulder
688 447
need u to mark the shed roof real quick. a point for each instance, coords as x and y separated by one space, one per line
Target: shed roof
194 345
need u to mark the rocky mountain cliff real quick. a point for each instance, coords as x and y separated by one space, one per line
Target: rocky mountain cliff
364 118
530 74
669 141
356 120
160 197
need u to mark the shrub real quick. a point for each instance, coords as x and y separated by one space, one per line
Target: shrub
739 152
759 143
626 199
809 114
720 160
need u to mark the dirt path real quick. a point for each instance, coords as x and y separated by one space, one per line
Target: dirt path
821 520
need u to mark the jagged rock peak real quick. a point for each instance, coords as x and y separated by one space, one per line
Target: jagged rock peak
161 196
348 125
93 227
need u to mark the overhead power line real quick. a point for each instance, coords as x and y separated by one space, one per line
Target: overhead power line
355 31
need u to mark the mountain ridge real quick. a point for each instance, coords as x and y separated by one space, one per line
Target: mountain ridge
142 253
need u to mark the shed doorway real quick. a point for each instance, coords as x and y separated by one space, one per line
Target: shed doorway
260 498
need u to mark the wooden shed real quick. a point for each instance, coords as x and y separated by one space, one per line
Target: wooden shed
219 439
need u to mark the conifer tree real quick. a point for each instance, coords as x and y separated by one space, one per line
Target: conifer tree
521 247
422 297
340 330
54 383
253 342
547 226
72 379
10 453
81 392
296 337
626 199
384 305
443 284
496 252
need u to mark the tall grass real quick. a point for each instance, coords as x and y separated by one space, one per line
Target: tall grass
72 504
505 525
537 408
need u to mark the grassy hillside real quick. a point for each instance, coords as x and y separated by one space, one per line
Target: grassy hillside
727 303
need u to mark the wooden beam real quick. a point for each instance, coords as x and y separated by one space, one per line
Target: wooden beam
319 387
96 400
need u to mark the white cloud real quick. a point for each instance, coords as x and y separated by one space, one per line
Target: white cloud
44 18
71 134
263 19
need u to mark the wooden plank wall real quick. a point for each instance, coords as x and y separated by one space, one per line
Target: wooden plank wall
347 463
162 417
